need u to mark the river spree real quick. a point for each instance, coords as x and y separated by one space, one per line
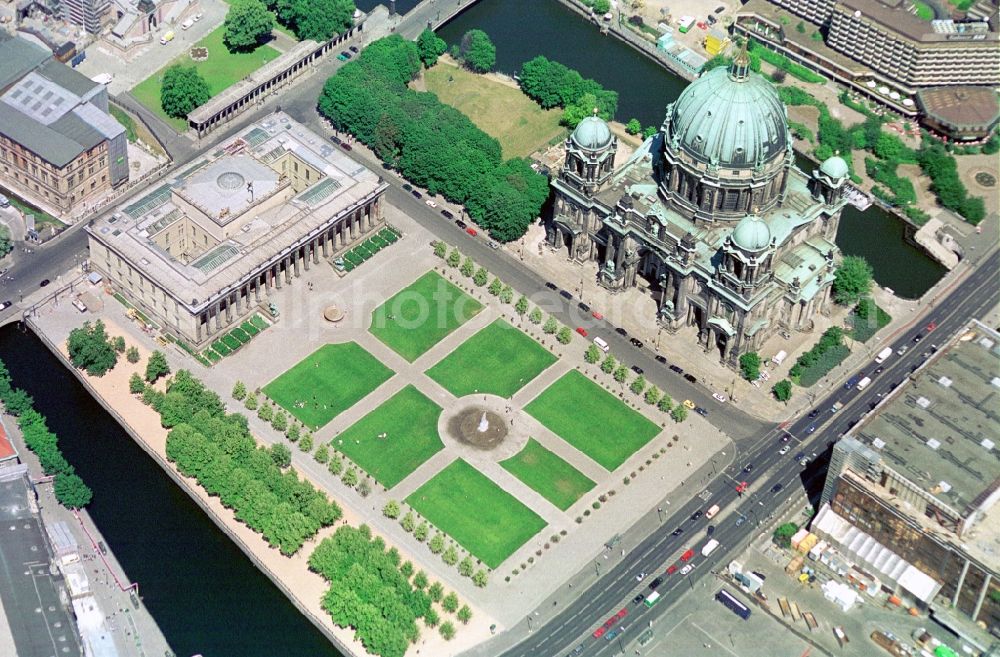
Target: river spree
522 29
204 593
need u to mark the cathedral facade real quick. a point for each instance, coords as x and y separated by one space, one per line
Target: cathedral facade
711 215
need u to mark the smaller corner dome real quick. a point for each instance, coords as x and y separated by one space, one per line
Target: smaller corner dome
835 167
752 234
592 133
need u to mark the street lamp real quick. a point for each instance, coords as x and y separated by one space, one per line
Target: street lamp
597 566
659 512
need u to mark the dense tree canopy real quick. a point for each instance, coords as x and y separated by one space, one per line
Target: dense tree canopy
318 20
431 144
91 349
248 23
156 366
477 51
951 193
750 366
551 84
183 90
71 492
852 281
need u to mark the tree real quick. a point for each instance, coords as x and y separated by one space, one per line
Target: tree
506 294
250 403
306 445
407 569
621 373
420 580
633 127
447 630
336 465
477 51
521 306
322 453
592 355
156 366
782 390
783 534
450 603
480 277
465 567
450 555
391 509
71 492
468 267
318 20
364 487
239 391
247 24
119 344
422 531
135 384
436 592
551 326
430 46
408 522
431 618
281 455
564 335
265 412
350 478
665 404
609 364
602 7
465 614
650 131
495 286
652 395
436 544
280 421
441 250
480 578
183 89
90 349
750 366
638 385
852 280
535 316
454 258
679 413
132 355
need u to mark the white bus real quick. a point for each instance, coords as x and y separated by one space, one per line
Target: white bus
883 355
863 383
709 547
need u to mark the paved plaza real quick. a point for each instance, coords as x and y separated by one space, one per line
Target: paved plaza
406 403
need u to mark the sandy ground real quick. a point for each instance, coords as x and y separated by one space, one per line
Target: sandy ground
306 587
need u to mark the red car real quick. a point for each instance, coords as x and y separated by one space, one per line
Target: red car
597 315
931 326
741 487
671 570
582 331
600 632
687 555
471 231
622 614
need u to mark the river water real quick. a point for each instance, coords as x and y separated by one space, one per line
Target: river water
204 593
522 29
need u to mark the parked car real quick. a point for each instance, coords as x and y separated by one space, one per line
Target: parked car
638 599
346 55
461 224
719 397
689 404
346 146
902 350
447 214
687 556
776 488
565 294
636 342
660 359
494 245
701 411
431 203
354 49
471 231
656 582
551 286
672 569
678 370
599 632
5 305
407 186
622 332
416 194
596 315
335 139
691 378
341 57
582 331
44 282
637 370
584 307
687 569
784 450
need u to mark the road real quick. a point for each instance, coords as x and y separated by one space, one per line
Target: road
617 586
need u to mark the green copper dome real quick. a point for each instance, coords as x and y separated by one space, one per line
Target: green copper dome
731 119
592 133
752 234
835 167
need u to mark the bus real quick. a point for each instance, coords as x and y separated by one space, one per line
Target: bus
653 598
734 605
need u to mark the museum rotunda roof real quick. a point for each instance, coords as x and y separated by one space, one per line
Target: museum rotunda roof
592 133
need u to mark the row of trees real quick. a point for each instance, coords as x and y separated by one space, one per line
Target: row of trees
940 166
217 449
826 352
371 591
552 84
431 144
638 386
69 488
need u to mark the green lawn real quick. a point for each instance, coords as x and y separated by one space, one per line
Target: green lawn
500 110
421 315
548 475
498 360
486 520
327 382
409 421
923 11
588 417
221 70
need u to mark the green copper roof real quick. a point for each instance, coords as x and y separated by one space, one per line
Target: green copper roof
835 167
732 119
592 133
752 233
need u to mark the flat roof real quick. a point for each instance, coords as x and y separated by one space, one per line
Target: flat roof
258 236
961 107
941 430
39 622
894 16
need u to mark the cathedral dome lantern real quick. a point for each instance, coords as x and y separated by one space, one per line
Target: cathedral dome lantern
727 147
592 134
590 155
752 234
828 181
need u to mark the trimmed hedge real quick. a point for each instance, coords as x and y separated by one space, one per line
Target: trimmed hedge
220 347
